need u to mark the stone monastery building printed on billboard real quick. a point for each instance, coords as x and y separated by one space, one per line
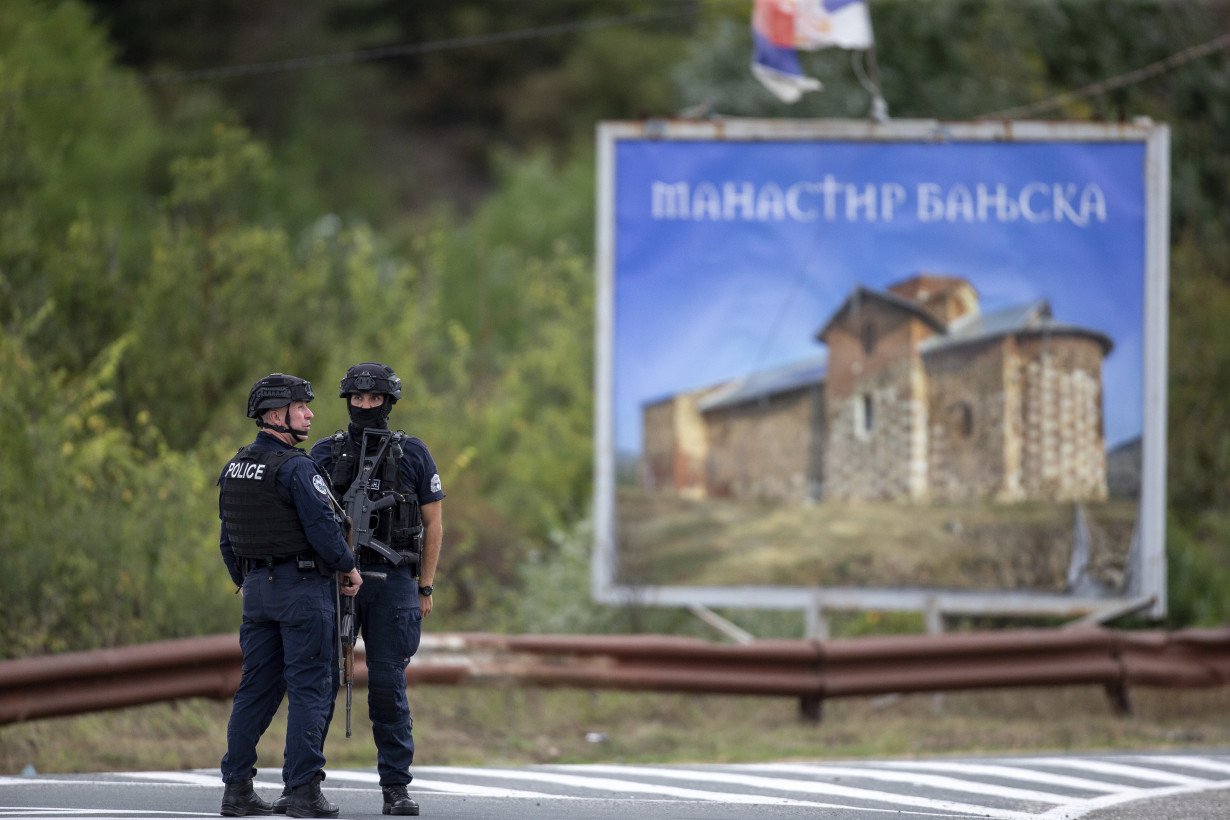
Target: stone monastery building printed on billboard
921 398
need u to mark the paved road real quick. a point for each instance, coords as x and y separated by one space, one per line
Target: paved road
1192 786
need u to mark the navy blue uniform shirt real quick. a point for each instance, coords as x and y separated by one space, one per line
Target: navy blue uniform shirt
296 484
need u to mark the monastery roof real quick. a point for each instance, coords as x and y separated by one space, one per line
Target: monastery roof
900 302
1026 319
1030 318
766 383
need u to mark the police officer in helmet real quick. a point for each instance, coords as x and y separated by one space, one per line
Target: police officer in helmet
282 545
390 614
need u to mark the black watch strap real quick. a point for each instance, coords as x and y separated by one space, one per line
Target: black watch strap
425 591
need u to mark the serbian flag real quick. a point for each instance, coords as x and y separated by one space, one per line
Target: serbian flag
781 27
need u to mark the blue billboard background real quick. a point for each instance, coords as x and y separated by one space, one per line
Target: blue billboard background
729 256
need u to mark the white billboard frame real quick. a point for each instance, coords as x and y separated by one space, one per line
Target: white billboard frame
1150 565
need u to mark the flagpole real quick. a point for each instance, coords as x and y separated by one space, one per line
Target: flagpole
869 77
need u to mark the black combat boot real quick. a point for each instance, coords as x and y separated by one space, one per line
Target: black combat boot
241 800
307 801
396 801
279 805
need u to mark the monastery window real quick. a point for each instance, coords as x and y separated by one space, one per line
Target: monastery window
868 337
962 418
864 416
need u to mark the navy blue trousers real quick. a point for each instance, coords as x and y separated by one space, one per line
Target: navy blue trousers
287 638
391 623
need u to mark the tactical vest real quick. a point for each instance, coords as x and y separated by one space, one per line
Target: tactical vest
399 525
259 522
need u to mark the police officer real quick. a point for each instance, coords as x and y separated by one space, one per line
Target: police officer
390 614
282 544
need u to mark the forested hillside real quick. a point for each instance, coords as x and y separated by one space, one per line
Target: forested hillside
170 231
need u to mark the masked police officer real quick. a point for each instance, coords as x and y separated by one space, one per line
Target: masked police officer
282 544
390 613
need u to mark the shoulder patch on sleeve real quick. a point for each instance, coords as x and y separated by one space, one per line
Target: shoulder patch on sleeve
318 481
435 482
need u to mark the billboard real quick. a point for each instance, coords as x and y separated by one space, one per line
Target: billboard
916 365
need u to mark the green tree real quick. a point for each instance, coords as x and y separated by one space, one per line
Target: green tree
72 166
222 287
104 544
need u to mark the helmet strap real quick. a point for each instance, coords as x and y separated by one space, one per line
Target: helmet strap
297 435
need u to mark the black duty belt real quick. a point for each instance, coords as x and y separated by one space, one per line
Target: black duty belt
306 563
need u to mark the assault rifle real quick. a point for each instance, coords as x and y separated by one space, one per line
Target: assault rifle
365 497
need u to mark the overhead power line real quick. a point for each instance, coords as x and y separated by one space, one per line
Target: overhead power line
372 54
1120 81
1149 71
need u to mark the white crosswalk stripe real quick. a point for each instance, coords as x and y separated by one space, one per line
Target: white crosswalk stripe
1118 769
187 778
930 781
1008 773
440 786
1219 766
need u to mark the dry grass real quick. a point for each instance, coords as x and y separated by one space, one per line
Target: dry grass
491 726
677 541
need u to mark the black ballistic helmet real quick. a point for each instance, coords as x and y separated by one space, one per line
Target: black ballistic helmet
277 390
371 377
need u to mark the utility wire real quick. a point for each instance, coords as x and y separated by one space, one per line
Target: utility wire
1155 69
1130 78
371 54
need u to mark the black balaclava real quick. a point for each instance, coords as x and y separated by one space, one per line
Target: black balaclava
364 417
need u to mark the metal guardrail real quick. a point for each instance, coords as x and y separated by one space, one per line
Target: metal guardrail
812 671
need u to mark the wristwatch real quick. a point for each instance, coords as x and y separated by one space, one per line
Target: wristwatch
425 591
